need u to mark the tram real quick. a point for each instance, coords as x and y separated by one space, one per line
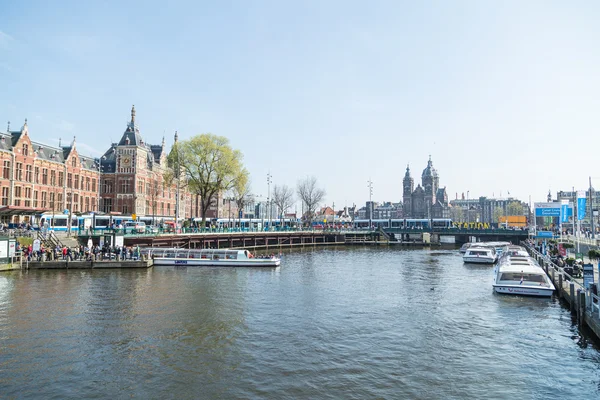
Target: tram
406 223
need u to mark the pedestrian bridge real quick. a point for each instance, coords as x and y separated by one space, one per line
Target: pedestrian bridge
462 234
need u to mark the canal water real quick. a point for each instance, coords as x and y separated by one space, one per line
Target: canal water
343 323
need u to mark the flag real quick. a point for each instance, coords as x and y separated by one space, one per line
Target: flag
564 211
581 200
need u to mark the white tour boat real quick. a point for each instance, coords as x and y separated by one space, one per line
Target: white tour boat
208 257
523 276
481 255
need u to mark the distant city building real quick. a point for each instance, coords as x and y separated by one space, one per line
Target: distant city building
386 210
571 195
428 200
486 210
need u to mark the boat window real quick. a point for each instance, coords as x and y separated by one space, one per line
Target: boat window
517 276
478 253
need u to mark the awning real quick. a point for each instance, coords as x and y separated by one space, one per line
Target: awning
13 210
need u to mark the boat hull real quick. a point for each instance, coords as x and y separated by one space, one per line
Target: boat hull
524 290
201 262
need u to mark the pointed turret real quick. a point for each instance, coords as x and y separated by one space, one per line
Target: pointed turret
176 136
133 114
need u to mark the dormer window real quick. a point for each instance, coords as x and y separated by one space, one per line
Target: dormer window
25 149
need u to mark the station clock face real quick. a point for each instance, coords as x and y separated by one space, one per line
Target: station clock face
126 161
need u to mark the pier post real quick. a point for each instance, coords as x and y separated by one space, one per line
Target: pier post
572 291
560 282
581 306
553 276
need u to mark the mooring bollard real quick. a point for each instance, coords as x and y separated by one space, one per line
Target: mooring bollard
572 291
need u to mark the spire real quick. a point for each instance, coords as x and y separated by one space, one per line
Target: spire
163 141
429 162
133 114
8 127
407 175
73 144
176 136
59 139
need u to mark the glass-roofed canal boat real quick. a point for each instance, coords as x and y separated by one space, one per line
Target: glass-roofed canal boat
208 257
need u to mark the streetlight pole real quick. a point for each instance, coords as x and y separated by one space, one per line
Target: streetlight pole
370 186
591 211
269 180
178 173
468 208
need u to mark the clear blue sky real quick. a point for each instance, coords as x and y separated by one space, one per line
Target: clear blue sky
503 95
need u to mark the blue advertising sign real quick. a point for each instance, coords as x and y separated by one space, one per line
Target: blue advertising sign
547 212
581 208
545 234
555 212
588 275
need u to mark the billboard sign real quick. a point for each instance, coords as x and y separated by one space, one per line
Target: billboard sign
553 210
588 275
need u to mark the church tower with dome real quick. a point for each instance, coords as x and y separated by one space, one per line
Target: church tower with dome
427 200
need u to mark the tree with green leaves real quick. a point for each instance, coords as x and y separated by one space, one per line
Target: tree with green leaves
241 190
514 208
207 165
498 212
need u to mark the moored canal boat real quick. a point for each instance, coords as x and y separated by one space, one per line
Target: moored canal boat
521 276
480 255
208 257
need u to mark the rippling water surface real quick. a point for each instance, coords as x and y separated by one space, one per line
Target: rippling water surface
348 323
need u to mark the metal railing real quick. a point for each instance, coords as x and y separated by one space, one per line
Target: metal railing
189 231
592 300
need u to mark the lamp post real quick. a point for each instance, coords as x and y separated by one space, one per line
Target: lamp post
178 173
468 208
370 186
99 182
269 180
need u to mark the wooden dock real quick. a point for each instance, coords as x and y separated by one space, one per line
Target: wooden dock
582 302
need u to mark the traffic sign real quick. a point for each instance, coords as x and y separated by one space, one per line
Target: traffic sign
133 216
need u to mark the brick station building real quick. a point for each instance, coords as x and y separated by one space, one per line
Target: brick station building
36 177
127 179
132 178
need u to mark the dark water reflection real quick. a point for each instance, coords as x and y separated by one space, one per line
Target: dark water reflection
330 323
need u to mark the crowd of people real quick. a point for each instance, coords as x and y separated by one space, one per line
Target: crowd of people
80 253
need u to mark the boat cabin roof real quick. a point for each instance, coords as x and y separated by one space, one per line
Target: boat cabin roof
486 249
525 268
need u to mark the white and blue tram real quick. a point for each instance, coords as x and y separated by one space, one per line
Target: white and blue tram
405 223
